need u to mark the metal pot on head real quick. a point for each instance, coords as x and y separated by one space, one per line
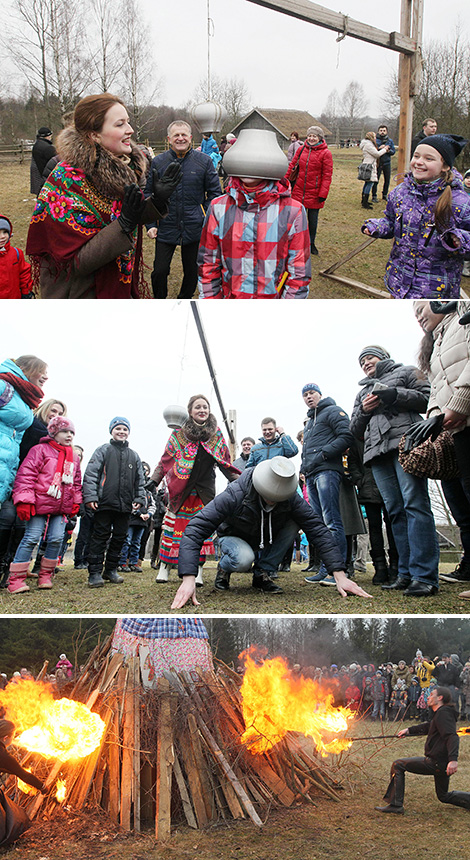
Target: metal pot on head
255 155
275 480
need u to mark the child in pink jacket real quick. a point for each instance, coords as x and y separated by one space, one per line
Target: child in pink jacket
47 489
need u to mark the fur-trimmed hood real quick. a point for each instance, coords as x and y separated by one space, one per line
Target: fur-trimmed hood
200 432
108 174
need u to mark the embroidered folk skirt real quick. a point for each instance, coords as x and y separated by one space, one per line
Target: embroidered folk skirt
156 655
173 527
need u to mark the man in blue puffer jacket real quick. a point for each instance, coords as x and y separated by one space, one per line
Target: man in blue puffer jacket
273 443
183 224
326 438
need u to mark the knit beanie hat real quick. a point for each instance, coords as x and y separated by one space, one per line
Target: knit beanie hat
376 350
119 420
315 129
447 145
44 131
5 225
310 386
58 423
6 728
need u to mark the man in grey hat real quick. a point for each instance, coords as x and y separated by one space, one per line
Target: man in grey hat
256 519
43 149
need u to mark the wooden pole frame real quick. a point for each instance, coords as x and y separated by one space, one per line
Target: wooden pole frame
407 43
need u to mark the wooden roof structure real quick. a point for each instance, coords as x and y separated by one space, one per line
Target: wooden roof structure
283 122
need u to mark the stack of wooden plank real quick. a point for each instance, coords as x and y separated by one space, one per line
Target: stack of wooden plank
174 754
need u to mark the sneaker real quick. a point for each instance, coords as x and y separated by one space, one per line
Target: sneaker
375 200
136 568
123 568
329 580
460 574
317 578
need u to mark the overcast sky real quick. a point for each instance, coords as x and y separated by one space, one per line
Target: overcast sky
134 358
286 63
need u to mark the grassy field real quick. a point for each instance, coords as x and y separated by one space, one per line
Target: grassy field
338 229
327 829
140 594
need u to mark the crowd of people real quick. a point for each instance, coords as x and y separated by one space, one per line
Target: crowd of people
394 690
353 480
254 241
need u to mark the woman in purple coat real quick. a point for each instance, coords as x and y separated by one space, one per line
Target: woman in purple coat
428 217
47 488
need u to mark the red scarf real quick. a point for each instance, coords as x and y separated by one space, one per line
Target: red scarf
29 393
64 470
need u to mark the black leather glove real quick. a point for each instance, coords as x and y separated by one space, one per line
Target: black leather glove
133 205
387 395
163 188
422 430
443 307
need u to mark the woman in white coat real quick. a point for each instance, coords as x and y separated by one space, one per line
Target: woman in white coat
370 155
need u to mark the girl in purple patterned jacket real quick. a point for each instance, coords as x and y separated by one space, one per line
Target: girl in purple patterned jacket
428 216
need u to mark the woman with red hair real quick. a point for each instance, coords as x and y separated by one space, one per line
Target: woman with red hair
85 236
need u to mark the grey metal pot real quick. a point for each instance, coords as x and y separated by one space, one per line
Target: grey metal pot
175 416
255 155
275 480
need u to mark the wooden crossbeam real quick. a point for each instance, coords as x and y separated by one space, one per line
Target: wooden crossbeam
323 17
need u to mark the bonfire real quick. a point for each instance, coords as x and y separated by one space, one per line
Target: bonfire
201 746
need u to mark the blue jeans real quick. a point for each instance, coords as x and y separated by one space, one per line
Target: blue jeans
33 534
367 186
379 706
237 554
407 501
131 545
323 493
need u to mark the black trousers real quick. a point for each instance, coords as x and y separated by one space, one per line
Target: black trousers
83 538
374 512
108 525
396 790
386 169
312 218
161 269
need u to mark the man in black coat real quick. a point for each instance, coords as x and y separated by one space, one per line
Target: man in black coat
429 128
256 519
441 752
43 149
326 438
187 207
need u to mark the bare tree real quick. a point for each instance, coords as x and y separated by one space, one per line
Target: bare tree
104 43
140 83
445 85
353 103
44 42
231 93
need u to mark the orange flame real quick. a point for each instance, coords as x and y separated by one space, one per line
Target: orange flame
61 789
275 702
24 787
61 729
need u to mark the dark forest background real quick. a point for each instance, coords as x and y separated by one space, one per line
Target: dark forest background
309 641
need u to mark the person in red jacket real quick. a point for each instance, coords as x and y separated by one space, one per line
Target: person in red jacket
47 488
315 169
15 272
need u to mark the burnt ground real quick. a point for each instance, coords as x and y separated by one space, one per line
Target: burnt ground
345 830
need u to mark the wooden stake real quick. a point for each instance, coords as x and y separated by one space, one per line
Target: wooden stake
165 761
